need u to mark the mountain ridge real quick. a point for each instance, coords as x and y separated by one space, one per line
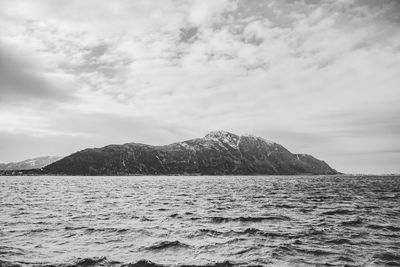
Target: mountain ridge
32 163
217 153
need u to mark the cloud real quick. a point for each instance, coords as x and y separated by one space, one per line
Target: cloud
19 80
319 77
203 12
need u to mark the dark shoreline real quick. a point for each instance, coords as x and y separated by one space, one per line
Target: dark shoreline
198 175
178 175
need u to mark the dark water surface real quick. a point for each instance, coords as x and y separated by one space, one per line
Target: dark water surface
222 221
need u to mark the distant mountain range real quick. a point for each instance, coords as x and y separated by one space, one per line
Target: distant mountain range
218 153
35 163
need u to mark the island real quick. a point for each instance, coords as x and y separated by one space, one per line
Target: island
217 153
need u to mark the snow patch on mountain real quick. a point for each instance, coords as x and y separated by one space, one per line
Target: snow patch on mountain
260 139
35 163
223 137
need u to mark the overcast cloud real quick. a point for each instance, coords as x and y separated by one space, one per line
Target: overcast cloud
319 77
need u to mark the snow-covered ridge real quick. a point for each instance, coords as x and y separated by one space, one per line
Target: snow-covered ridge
260 139
218 134
224 137
233 139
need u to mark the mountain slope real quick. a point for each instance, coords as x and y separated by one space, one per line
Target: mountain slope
35 163
216 153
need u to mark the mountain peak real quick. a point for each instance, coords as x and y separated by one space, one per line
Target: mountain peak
259 139
219 135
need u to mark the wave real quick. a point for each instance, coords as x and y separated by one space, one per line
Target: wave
338 212
102 261
345 259
316 252
213 232
9 264
217 264
5 250
143 263
78 262
254 231
147 263
355 222
227 242
339 241
384 227
219 219
388 258
68 228
167 245
40 230
145 219
88 262
110 230
90 230
285 206
247 231
243 251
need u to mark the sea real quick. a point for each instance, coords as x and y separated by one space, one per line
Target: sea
342 220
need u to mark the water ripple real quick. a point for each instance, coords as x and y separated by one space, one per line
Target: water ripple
200 221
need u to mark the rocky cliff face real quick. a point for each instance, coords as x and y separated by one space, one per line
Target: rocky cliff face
216 153
35 163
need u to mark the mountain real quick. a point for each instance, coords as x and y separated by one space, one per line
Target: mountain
35 163
217 153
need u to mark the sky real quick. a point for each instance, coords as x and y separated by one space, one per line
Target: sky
319 77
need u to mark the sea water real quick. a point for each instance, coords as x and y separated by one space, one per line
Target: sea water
198 220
